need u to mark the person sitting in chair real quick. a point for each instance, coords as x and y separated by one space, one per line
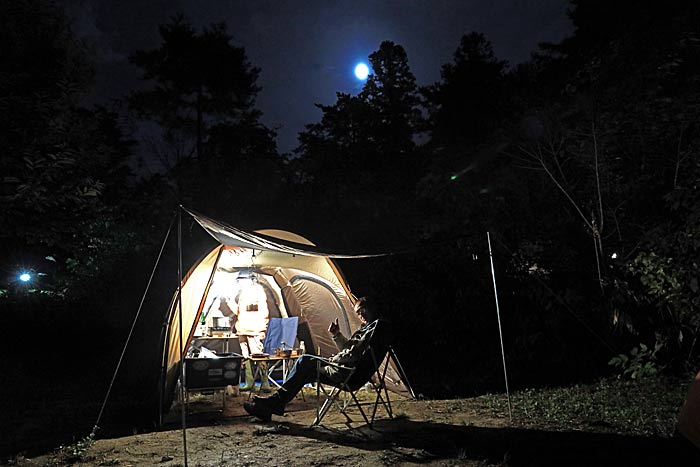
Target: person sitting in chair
306 368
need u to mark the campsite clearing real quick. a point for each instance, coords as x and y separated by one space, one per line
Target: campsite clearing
469 432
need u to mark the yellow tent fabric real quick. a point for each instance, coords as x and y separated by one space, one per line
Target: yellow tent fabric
311 286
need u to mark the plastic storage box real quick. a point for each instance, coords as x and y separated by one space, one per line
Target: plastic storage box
211 373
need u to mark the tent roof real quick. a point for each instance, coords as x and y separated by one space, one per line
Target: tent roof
263 240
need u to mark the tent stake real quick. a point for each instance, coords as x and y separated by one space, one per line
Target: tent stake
500 332
183 390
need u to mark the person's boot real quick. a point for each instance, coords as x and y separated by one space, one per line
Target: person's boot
278 400
249 381
264 407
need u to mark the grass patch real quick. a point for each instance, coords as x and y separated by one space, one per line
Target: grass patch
648 406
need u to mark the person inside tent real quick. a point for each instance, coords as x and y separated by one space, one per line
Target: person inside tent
251 325
222 307
306 368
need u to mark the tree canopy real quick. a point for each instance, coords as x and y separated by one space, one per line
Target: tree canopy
201 94
581 163
64 168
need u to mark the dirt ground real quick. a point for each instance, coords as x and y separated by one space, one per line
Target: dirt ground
426 433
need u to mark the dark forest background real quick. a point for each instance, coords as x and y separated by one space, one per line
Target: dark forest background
583 164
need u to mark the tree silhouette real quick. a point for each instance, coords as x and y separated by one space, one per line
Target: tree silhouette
199 80
361 159
469 103
202 96
392 97
64 168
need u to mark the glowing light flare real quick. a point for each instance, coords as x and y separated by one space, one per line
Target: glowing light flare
253 313
25 277
361 71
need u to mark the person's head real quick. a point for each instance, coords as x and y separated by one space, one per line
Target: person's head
366 310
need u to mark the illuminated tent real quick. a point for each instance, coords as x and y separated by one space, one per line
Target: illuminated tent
298 281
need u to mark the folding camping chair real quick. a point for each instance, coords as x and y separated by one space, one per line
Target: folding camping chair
281 333
370 369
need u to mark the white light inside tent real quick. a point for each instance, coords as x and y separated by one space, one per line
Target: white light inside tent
614 256
25 277
252 307
233 257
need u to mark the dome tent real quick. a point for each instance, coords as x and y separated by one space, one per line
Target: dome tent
299 281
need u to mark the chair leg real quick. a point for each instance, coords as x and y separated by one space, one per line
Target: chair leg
321 412
400 370
359 407
380 371
330 400
385 400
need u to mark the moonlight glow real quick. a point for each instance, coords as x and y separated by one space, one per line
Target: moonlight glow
361 71
24 277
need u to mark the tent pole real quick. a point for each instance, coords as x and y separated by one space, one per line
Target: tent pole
500 331
183 394
131 332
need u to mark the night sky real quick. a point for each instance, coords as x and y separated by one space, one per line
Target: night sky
307 49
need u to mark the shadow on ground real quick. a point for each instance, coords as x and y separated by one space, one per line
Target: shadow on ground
504 446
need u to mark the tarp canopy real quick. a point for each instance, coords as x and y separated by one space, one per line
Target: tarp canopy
260 240
298 281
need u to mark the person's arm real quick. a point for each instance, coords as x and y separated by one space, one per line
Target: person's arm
340 340
354 347
338 337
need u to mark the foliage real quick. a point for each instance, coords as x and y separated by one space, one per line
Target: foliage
615 148
469 103
76 452
198 80
361 158
200 93
64 168
391 96
648 406
641 361
582 164
371 133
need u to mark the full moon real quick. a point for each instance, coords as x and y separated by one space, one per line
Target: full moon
361 71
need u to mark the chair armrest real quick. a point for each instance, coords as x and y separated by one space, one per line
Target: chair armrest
338 366
350 369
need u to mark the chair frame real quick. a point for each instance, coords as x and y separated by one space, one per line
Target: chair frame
378 386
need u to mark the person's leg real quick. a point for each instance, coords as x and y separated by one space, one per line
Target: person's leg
248 370
248 374
264 382
304 371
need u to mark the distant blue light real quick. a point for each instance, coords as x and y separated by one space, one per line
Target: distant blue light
24 277
361 71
